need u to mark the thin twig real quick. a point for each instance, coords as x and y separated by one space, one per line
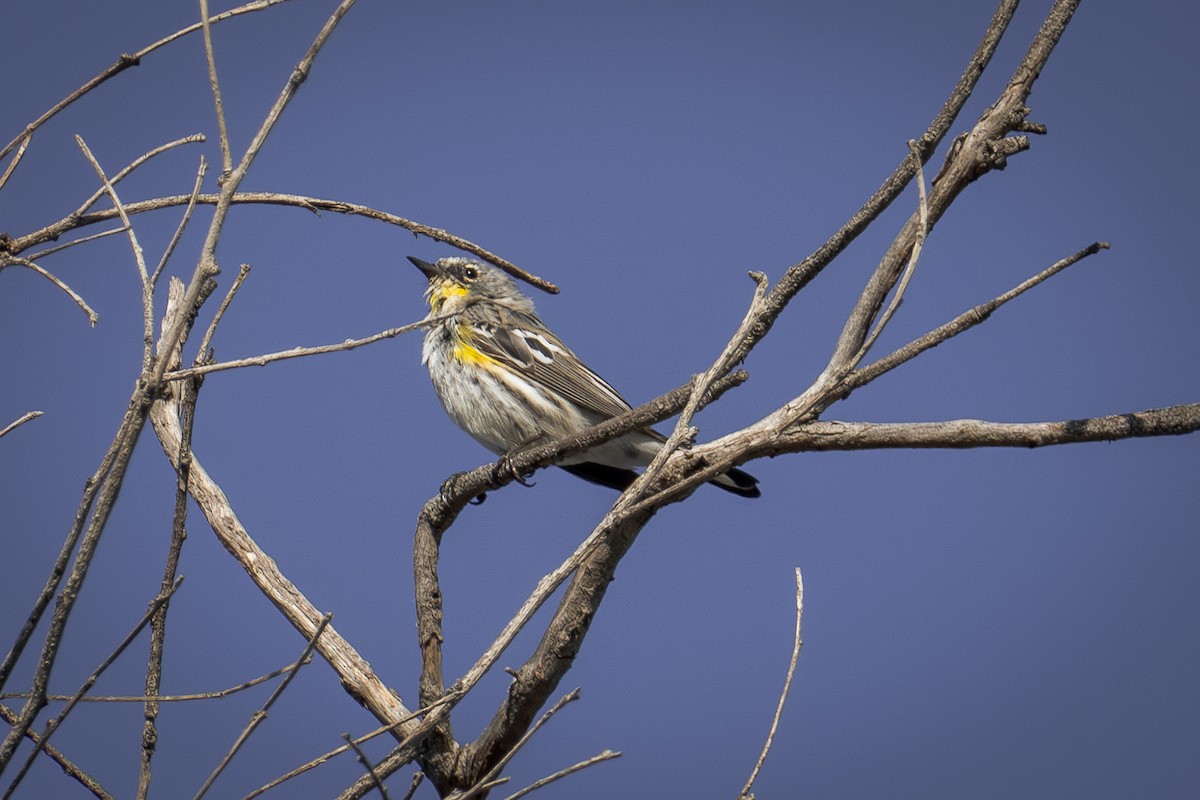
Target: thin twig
6 260
131 166
965 321
55 723
68 766
202 353
215 85
21 420
412 786
206 264
298 352
12 165
100 492
324 757
599 758
187 215
683 432
490 776
258 716
158 626
138 255
787 685
314 204
366 762
168 698
910 268
74 242
123 63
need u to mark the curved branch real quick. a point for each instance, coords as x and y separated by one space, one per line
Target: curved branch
314 204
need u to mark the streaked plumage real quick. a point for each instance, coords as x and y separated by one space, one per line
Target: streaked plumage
508 381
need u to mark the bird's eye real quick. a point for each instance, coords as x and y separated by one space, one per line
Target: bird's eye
470 273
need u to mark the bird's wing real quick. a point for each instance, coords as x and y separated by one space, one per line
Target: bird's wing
526 346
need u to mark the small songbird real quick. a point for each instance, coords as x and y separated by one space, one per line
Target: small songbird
508 381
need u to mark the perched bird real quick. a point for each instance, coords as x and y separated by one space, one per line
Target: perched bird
507 380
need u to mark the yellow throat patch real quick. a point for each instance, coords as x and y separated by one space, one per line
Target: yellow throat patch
444 291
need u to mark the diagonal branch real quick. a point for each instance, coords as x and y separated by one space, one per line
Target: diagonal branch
353 670
123 63
11 260
963 322
615 535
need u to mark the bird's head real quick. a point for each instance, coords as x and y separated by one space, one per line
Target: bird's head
455 281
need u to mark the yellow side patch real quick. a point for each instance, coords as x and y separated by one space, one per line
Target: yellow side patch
466 353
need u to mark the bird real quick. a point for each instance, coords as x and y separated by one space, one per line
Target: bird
509 381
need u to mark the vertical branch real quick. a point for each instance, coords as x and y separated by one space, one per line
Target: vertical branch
798 643
158 630
210 58
206 265
187 215
138 256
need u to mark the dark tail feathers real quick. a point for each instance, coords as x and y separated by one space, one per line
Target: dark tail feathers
735 480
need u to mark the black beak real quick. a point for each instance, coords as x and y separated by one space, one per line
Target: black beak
431 270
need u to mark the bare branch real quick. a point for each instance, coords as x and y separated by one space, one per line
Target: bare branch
12 165
7 260
158 625
354 672
962 322
300 352
321 759
123 63
489 778
206 265
683 433
57 721
599 758
129 168
68 766
101 491
75 242
21 420
258 716
187 215
366 762
798 643
202 352
412 786
167 698
918 244
143 273
799 275
439 512
314 204
215 85
970 433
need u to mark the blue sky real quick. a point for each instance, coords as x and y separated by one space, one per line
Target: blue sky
982 624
